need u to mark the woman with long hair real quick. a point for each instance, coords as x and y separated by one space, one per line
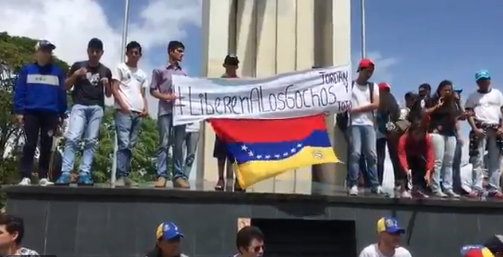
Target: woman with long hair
416 154
443 130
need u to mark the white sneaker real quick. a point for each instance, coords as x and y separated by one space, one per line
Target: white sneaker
451 194
406 194
25 182
45 182
353 191
439 194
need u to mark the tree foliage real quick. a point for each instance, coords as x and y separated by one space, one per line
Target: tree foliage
15 52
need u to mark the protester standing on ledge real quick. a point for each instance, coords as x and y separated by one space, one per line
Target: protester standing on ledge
128 88
443 130
11 237
231 65
487 133
361 132
161 88
168 237
250 242
388 135
39 104
90 81
424 91
388 244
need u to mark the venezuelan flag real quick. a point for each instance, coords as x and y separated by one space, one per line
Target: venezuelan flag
266 148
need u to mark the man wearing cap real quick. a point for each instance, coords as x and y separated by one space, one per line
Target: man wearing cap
161 88
486 104
90 81
361 132
495 245
220 152
168 241
389 232
39 105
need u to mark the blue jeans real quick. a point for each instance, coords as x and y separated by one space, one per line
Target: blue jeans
492 163
191 140
84 123
127 127
445 148
170 135
362 140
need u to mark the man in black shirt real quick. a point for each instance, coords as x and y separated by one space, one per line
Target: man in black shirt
90 81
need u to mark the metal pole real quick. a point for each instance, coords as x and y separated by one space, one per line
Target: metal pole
363 33
123 56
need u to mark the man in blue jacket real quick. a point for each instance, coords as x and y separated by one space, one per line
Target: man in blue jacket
39 103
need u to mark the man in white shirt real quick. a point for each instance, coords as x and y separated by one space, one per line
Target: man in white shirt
128 89
191 141
361 131
388 245
487 130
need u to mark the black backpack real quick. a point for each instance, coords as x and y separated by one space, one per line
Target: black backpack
342 119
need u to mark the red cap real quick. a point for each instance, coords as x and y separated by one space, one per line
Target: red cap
384 85
365 63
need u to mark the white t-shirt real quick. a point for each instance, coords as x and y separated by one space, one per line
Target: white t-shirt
132 81
373 251
361 97
487 107
193 127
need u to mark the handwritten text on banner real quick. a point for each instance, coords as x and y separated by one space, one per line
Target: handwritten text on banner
283 96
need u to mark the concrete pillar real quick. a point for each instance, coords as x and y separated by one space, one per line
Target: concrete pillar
271 37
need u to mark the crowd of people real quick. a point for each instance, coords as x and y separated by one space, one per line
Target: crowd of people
424 139
40 105
250 241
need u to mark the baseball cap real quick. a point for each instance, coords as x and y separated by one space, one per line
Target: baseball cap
231 59
476 251
384 85
167 231
44 44
389 225
482 74
495 244
365 63
95 43
457 90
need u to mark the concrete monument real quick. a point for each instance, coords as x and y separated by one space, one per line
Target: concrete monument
271 37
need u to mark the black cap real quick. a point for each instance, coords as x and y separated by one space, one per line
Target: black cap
44 44
495 244
95 43
231 59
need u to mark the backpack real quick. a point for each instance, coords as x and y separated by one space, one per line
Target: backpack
342 119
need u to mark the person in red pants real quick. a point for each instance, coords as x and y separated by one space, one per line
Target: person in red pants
416 154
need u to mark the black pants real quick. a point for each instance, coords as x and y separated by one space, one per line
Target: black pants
417 165
392 143
35 123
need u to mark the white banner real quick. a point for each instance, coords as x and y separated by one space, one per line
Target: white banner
288 95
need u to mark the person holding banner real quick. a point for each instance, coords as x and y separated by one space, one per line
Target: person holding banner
161 88
231 65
